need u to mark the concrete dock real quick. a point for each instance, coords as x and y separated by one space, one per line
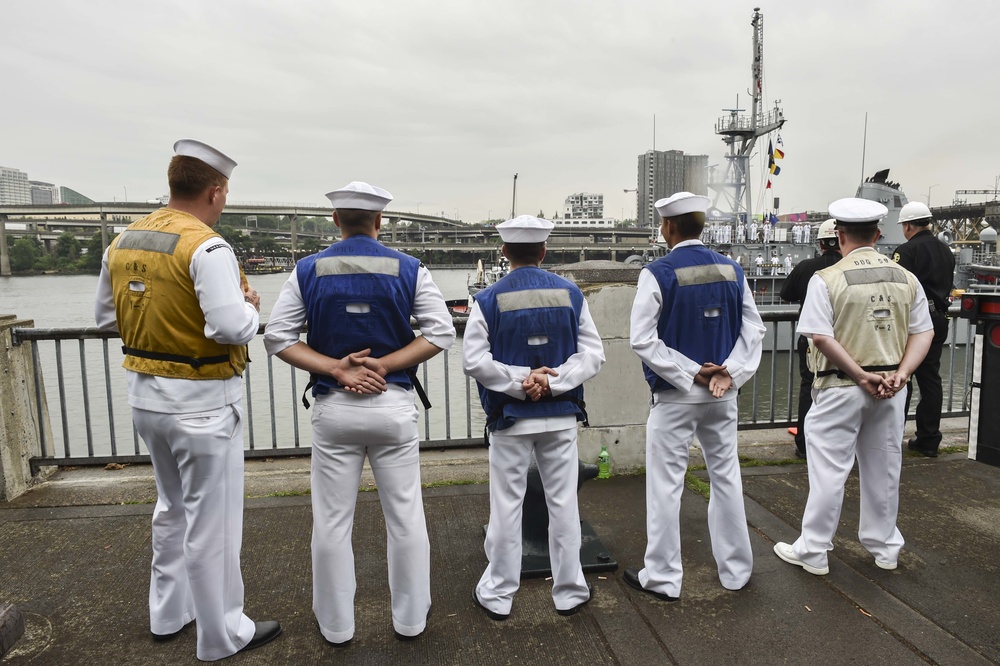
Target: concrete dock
75 553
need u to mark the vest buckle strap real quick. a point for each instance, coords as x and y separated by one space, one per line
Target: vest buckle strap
418 387
175 358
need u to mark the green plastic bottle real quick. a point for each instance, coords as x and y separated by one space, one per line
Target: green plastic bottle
604 463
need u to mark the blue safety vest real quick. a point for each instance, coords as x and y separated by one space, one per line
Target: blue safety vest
533 318
358 295
702 310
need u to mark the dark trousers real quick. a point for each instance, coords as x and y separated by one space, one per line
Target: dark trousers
805 392
928 378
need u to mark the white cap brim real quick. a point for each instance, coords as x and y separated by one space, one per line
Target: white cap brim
211 156
525 229
681 204
360 196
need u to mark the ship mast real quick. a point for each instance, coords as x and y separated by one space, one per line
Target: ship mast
740 133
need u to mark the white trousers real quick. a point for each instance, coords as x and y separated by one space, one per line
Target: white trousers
844 423
346 427
669 431
197 526
558 465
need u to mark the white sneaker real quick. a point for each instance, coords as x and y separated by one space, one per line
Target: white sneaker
785 552
888 566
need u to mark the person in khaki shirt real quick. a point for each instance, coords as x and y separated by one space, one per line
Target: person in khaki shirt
869 328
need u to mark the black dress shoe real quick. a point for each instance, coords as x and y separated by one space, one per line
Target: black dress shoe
341 644
162 638
496 617
801 455
576 609
631 577
264 633
912 445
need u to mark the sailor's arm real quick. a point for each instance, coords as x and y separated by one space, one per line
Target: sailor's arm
668 363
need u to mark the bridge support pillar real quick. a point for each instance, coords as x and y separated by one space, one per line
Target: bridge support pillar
104 231
4 256
393 222
21 428
583 254
614 255
293 220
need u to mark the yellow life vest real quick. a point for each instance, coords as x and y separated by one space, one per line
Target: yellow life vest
871 296
159 317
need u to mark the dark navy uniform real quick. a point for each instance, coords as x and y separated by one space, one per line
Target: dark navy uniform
794 291
934 265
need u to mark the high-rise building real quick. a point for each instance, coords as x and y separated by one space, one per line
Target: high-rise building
583 205
14 187
43 194
666 172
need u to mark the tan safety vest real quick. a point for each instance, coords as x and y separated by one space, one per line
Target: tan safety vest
159 317
871 297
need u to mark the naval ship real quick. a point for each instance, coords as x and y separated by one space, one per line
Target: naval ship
767 247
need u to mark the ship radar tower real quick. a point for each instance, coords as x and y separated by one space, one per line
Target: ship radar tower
740 133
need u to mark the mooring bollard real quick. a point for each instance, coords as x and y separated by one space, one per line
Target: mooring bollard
594 556
11 627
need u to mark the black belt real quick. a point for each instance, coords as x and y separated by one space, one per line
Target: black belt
867 368
176 358
410 372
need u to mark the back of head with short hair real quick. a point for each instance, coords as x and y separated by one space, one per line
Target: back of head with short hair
188 177
525 253
859 233
356 219
690 225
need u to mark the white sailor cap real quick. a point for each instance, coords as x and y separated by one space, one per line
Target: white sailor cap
857 211
360 196
525 229
681 203
204 152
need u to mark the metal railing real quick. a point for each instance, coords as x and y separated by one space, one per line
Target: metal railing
275 420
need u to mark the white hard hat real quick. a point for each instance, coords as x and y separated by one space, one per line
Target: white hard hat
914 211
827 230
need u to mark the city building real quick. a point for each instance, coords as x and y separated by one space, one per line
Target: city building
14 187
666 172
43 194
73 198
582 205
584 211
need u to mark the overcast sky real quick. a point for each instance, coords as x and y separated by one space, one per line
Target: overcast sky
441 103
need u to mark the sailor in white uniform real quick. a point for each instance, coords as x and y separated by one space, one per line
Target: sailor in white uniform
530 343
696 328
806 233
857 411
357 297
172 287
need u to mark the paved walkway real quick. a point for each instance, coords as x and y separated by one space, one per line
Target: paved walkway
79 573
